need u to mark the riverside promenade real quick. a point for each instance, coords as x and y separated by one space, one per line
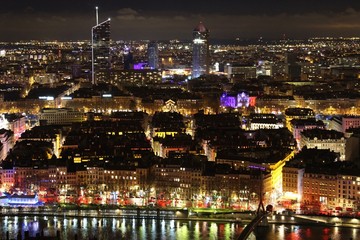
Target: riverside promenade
177 213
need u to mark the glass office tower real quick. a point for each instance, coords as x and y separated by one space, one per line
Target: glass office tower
153 55
101 52
201 58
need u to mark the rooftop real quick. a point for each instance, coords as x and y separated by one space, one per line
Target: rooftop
201 28
322 134
299 112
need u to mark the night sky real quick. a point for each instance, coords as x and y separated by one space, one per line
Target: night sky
162 20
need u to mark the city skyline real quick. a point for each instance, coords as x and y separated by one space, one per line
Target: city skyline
202 111
157 20
221 129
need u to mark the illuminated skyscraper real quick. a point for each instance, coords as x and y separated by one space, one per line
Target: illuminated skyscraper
201 58
153 55
101 52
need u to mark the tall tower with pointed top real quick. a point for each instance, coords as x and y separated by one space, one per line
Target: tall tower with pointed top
201 56
100 34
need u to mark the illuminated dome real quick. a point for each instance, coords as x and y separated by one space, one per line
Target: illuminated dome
201 28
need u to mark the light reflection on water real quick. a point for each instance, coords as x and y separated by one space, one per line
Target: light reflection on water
117 228
131 228
307 232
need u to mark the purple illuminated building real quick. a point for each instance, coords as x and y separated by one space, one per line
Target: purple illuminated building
228 100
140 66
242 100
234 100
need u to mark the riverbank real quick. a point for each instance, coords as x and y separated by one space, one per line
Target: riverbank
181 214
294 219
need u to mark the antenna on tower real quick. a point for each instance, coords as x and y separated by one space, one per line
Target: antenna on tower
97 15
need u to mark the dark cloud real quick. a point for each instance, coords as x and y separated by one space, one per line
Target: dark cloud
129 14
73 19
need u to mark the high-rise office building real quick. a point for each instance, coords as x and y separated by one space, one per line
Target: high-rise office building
292 68
101 52
153 55
201 58
128 60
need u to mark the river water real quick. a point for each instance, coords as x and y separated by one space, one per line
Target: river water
132 228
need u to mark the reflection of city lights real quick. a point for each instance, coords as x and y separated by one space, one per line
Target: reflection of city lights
213 231
35 226
84 222
282 232
172 223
